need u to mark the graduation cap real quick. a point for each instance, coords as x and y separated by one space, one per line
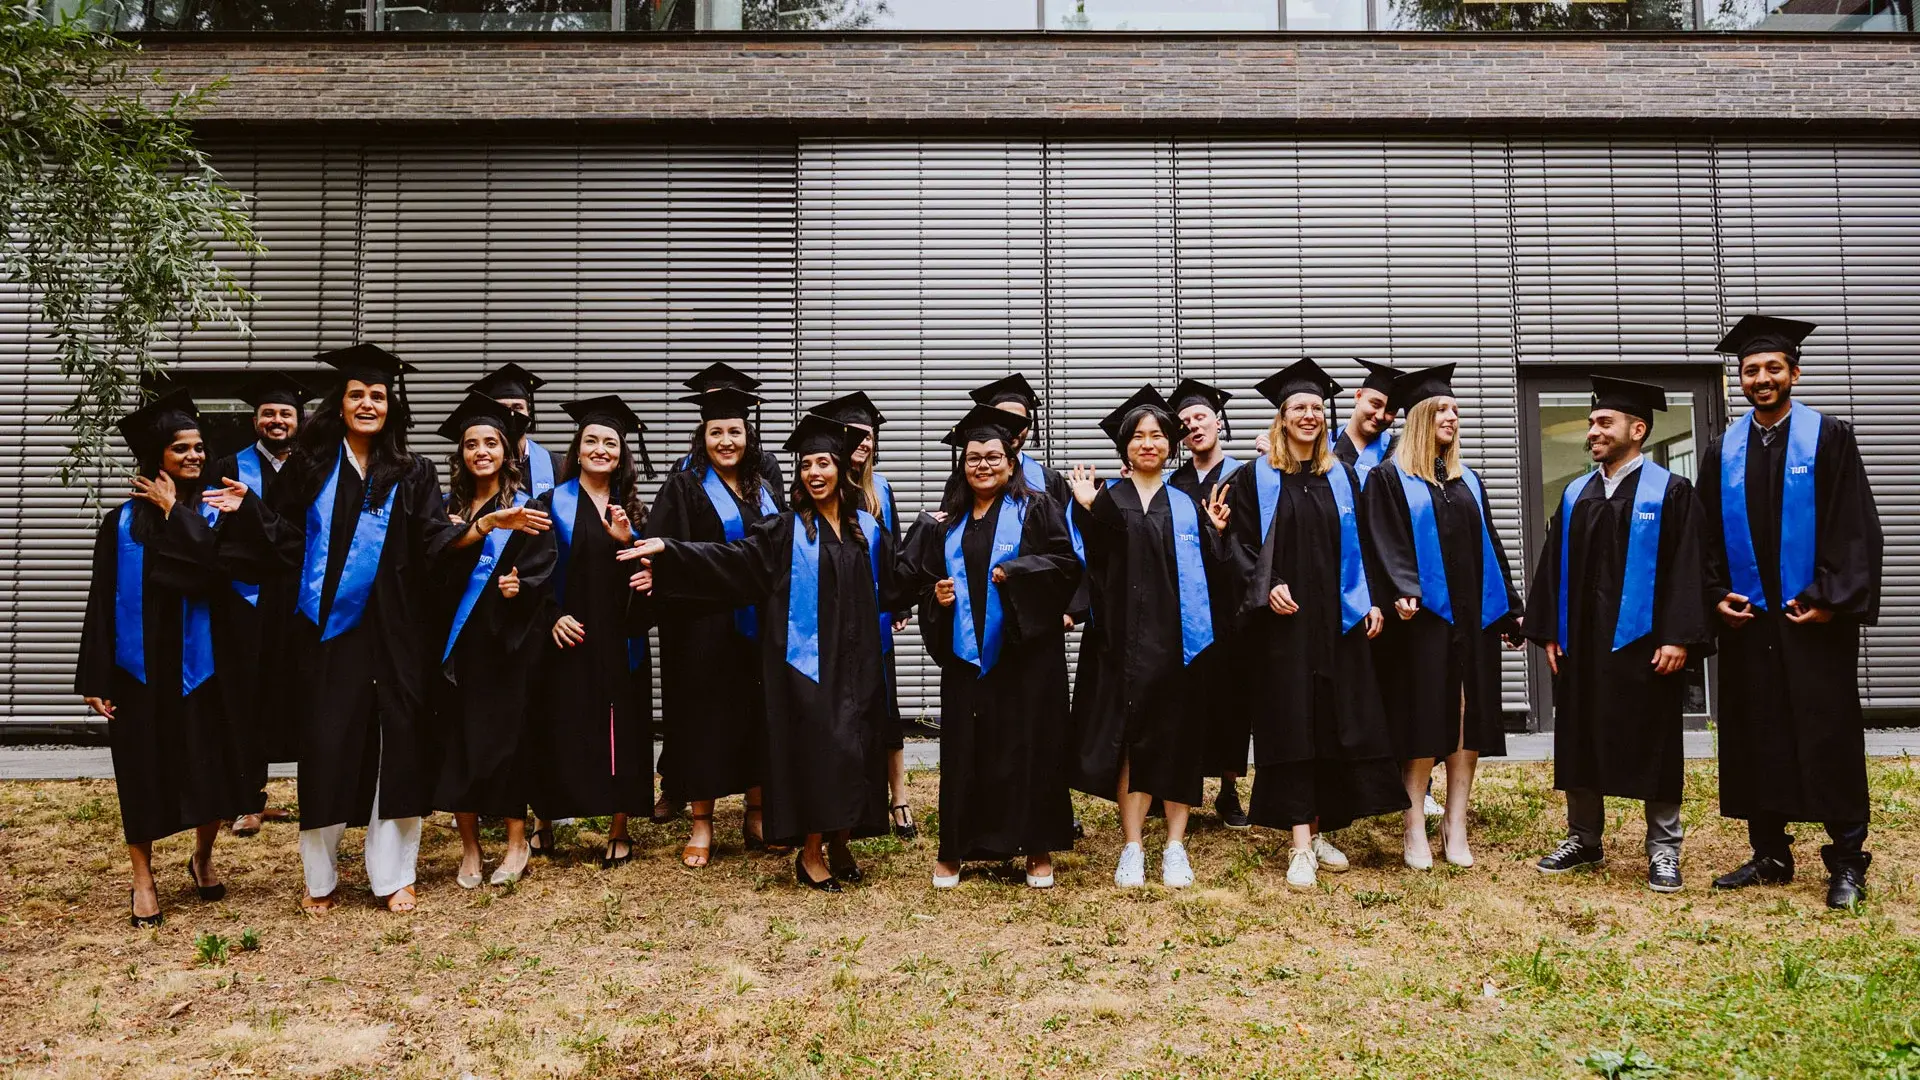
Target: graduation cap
816 434
508 381
1636 399
854 408
1194 392
1765 333
1304 377
149 428
1013 387
724 403
984 423
479 408
1414 387
718 375
1379 377
608 410
367 363
1145 397
273 388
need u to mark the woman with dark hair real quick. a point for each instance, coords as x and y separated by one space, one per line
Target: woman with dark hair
147 661
1155 562
487 582
821 575
352 515
996 571
1322 754
594 702
710 695
858 411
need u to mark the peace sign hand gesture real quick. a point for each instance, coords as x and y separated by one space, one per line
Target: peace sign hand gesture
1216 506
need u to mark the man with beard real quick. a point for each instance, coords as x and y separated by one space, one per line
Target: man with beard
1793 569
1366 442
276 400
1618 605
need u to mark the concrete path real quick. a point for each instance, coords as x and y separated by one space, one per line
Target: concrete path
84 763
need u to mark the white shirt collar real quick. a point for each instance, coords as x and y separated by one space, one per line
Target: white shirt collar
347 452
1613 482
266 455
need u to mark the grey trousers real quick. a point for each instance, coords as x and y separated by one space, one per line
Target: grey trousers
1587 816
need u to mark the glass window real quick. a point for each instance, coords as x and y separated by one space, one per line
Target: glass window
496 14
300 15
1327 14
1650 15
1163 14
1880 15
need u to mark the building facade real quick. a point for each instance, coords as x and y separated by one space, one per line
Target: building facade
913 213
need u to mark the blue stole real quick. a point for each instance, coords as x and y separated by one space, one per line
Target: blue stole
247 464
1799 513
363 557
490 549
1432 564
803 591
884 491
130 615
1196 608
746 620
1635 620
1356 599
985 652
565 504
539 469
1228 466
1371 455
1073 530
1033 472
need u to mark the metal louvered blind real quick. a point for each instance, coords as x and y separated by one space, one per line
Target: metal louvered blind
1830 232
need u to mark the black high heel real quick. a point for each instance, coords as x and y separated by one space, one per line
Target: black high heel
747 840
800 876
851 873
139 921
543 849
608 860
907 830
209 893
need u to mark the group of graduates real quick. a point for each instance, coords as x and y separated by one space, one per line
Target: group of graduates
1341 600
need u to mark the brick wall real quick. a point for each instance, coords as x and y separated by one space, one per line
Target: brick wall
1109 80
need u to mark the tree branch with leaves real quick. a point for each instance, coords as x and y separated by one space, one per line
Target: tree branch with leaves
110 213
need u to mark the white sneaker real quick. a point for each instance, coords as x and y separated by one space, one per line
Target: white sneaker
1132 871
1175 871
1327 855
1434 809
1300 873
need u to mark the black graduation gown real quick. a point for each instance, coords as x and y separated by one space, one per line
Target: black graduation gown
250 639
1792 739
485 686
178 762
1003 735
1617 724
1134 692
593 710
1425 662
557 457
826 766
360 700
1229 723
894 734
1321 743
710 694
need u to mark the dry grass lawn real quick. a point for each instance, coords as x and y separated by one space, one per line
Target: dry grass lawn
651 970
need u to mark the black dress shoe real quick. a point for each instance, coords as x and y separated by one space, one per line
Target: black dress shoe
1227 805
903 826
800 876
1847 884
1570 855
139 921
208 893
1759 870
1663 871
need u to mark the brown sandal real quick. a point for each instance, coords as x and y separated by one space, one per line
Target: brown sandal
315 907
403 901
690 852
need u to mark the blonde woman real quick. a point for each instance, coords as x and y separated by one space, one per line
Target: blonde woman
1453 601
1322 753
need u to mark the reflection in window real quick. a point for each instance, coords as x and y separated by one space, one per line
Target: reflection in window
1882 15
1162 15
1458 15
497 14
1327 14
300 15
947 15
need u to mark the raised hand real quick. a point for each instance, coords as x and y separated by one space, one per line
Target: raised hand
526 519
618 525
568 632
1217 509
509 583
158 490
943 591
1083 481
1262 444
227 497
645 549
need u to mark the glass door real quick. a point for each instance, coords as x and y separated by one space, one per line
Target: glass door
1554 406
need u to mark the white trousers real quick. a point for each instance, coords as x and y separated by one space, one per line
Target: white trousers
392 853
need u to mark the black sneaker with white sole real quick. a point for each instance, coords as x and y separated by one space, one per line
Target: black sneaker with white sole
1571 855
1663 871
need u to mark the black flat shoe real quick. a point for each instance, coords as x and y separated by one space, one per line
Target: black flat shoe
800 876
1759 870
904 829
208 893
1847 880
609 860
748 840
139 921
541 842
850 873
1227 805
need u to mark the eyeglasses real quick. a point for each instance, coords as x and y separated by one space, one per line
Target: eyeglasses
1306 410
985 461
